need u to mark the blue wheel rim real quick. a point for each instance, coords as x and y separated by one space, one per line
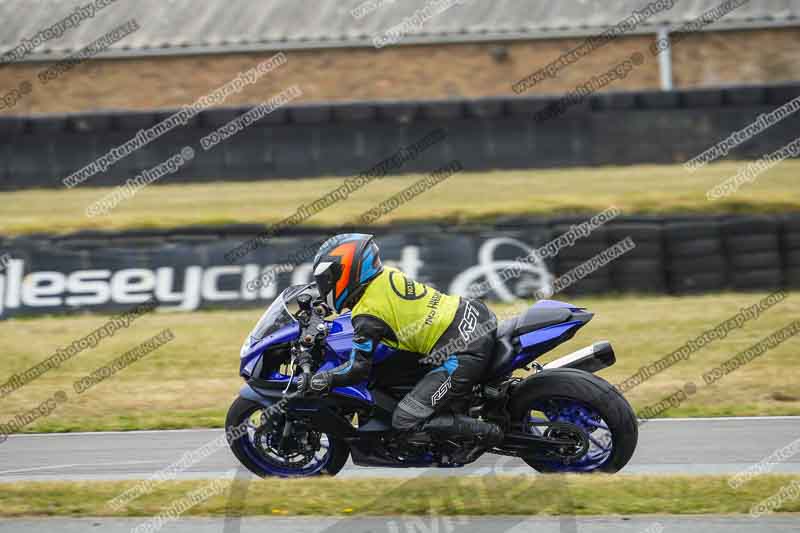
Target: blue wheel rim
271 469
594 427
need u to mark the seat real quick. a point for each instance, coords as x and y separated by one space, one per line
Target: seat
534 318
505 329
502 355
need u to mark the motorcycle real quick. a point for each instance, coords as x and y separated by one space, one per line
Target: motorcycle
561 417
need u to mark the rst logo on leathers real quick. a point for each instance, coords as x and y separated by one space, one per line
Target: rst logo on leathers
439 394
468 323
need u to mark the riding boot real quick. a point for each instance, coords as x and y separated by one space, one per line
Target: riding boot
465 426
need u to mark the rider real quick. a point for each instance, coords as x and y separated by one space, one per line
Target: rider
454 333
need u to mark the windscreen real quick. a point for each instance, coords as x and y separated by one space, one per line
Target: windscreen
281 312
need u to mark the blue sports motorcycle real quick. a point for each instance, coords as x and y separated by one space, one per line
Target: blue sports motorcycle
560 418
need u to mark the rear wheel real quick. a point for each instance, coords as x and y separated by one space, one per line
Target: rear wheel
588 403
306 452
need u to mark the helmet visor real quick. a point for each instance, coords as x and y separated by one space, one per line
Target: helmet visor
326 275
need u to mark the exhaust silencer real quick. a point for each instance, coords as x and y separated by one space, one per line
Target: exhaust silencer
596 357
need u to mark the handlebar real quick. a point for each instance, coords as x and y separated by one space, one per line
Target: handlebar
313 331
306 367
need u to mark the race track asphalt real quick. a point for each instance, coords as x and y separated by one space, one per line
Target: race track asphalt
666 446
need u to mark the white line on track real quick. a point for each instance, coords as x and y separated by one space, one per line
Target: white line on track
57 467
134 432
723 418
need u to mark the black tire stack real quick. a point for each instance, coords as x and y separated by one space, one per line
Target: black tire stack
696 257
584 248
753 249
640 269
790 248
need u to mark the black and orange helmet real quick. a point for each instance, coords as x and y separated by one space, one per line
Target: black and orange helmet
343 265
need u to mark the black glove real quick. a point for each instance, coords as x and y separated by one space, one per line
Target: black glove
321 382
302 382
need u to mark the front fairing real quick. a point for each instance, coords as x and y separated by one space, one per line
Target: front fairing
338 345
252 353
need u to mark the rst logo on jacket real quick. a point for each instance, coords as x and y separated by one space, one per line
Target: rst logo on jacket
468 322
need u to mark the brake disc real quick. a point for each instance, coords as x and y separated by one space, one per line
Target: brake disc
296 455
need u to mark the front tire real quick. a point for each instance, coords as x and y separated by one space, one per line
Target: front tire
581 398
251 455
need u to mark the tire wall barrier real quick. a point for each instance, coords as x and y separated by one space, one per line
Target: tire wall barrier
186 269
346 138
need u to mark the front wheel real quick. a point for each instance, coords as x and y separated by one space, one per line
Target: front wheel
266 452
584 400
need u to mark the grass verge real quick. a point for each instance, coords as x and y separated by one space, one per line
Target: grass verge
473 496
464 197
191 381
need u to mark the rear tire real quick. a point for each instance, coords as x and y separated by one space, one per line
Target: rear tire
241 410
595 393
